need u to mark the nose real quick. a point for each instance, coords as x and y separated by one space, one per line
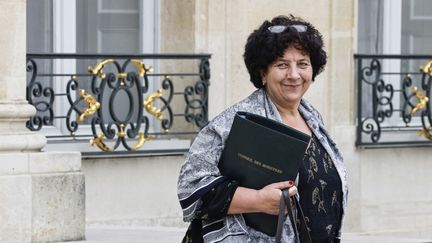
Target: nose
293 73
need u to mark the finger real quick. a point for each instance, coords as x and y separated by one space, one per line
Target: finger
282 185
292 191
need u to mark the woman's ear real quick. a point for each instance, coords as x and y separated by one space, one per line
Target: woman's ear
263 76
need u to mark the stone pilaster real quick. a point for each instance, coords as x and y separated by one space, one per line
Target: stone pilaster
14 136
14 109
41 194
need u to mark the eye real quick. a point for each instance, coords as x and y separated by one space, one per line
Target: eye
281 65
304 64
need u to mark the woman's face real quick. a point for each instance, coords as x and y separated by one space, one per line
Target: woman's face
289 77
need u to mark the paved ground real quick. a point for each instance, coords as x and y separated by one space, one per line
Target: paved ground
173 235
133 235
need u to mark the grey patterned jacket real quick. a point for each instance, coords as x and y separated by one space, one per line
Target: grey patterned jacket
200 173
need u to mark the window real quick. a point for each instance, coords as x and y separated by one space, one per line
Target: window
393 39
394 27
108 28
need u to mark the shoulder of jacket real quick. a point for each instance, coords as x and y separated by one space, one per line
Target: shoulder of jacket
226 117
311 110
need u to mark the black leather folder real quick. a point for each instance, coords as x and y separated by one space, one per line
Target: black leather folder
260 151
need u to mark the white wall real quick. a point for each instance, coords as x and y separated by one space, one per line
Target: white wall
133 191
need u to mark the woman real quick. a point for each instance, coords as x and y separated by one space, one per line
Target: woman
283 57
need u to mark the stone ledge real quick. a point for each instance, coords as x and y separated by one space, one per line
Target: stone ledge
54 162
22 142
39 162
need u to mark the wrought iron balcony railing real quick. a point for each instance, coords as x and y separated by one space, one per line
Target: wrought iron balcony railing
117 102
393 100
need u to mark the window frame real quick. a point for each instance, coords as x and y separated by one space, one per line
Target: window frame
390 63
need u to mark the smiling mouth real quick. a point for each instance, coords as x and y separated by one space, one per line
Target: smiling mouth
292 85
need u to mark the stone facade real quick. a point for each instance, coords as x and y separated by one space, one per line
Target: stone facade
133 191
41 194
42 197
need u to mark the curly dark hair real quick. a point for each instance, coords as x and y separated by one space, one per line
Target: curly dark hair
264 47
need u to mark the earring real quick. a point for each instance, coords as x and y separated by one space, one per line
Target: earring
264 82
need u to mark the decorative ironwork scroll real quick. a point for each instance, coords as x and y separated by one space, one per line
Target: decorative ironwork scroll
196 97
381 104
41 97
371 75
118 103
111 124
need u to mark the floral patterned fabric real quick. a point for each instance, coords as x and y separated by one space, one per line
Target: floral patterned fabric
320 193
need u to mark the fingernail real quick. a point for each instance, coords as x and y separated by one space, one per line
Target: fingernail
291 183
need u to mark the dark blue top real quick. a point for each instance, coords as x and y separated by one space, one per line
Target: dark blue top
320 192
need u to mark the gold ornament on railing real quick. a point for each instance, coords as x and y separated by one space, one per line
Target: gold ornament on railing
141 68
149 104
141 140
422 100
427 69
121 133
425 133
97 70
98 141
121 77
92 106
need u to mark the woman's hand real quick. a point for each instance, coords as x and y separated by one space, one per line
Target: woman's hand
265 200
270 195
